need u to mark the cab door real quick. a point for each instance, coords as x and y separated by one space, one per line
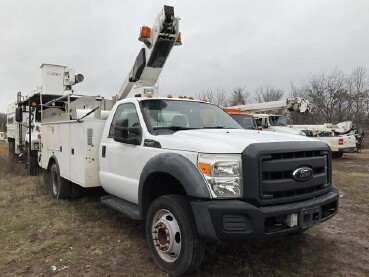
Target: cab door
120 161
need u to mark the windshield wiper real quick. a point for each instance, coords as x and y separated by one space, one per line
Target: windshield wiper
219 127
174 128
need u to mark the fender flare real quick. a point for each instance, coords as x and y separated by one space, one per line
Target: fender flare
178 167
55 160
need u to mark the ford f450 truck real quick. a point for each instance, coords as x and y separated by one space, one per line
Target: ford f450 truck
192 174
184 167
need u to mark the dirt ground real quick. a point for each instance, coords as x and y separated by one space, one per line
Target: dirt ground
40 236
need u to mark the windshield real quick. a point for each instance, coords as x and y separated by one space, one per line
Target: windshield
277 120
245 120
175 115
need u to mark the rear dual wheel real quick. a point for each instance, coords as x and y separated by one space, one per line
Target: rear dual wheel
172 236
11 153
59 187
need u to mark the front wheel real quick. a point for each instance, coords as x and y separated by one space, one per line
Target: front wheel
172 236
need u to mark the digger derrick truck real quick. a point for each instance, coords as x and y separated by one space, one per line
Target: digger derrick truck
24 115
187 169
338 144
273 122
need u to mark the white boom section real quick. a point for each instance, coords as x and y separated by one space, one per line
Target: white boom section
159 41
297 104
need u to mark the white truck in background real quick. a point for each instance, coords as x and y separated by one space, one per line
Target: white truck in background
330 134
24 115
185 167
273 122
338 144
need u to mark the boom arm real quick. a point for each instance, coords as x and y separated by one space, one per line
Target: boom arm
297 104
159 41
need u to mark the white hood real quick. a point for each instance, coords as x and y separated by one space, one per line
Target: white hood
221 140
285 129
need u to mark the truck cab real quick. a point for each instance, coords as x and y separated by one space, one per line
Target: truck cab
275 123
246 120
35 129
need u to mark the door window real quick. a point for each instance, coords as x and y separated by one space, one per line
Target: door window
125 111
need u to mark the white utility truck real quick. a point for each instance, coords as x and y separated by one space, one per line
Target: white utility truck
338 141
186 167
338 144
24 115
273 122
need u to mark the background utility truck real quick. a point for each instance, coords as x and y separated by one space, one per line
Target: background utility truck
24 115
338 144
246 120
188 169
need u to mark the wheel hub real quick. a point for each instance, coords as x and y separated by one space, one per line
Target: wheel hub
166 235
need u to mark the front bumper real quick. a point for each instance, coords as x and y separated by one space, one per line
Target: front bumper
238 220
347 150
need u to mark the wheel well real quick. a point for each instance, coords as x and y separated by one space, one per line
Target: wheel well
51 162
159 184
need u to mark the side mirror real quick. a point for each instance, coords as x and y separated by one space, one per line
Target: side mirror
121 130
125 134
18 114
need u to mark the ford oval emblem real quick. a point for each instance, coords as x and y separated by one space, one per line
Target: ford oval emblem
303 174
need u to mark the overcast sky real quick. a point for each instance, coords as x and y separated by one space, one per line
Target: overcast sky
225 43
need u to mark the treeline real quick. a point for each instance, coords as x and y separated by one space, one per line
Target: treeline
336 97
2 122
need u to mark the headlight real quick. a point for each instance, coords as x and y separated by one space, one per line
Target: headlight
223 174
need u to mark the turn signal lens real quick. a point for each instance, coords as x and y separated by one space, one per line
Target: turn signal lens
205 168
340 141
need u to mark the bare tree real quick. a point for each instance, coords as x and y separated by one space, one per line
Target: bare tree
267 94
358 90
324 91
2 122
296 91
218 97
221 97
207 95
239 96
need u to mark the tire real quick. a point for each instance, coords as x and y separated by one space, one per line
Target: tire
172 237
11 153
76 191
58 186
337 154
33 165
